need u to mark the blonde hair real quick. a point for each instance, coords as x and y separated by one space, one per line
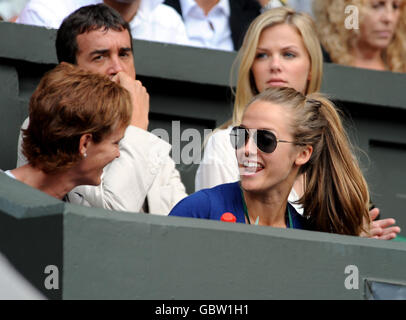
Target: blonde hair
336 196
304 25
338 40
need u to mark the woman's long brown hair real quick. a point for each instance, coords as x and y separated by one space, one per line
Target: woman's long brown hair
336 194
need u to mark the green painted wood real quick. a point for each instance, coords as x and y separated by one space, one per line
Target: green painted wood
119 255
104 254
151 257
31 232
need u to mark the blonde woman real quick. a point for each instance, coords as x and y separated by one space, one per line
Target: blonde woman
280 49
379 42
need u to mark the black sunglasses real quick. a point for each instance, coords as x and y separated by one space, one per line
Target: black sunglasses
265 140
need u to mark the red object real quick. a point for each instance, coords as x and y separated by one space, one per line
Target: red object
228 217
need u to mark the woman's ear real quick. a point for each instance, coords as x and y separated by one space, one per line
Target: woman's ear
84 143
304 155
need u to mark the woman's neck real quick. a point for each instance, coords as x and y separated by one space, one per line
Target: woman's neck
299 185
56 185
126 10
368 57
269 208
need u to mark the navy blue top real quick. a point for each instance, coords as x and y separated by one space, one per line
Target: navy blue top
212 203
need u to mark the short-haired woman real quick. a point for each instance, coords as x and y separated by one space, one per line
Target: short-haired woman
77 120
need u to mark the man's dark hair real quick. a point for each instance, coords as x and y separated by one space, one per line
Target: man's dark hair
86 19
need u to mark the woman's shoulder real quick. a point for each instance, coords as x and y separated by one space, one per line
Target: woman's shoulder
207 202
213 194
222 189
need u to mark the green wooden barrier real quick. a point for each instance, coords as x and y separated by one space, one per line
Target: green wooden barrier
101 254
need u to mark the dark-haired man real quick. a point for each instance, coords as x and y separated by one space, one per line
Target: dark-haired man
144 178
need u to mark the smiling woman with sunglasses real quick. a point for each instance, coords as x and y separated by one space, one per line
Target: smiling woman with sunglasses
280 49
283 134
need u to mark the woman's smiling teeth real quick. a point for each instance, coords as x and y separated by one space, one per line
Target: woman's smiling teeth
250 167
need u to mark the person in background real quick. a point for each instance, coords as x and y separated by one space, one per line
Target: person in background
77 120
297 5
10 9
280 49
372 37
216 24
148 19
283 134
144 178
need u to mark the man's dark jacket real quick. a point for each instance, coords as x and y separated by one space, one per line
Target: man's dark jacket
242 14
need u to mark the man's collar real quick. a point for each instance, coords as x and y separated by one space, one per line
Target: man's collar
225 5
188 5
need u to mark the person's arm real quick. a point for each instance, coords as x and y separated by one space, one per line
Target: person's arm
167 189
219 163
41 13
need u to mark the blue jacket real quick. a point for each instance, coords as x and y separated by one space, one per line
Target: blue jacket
212 203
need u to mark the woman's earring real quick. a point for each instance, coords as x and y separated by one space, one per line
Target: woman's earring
85 155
